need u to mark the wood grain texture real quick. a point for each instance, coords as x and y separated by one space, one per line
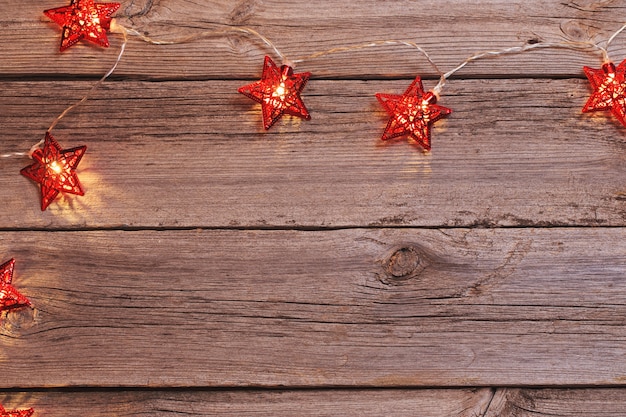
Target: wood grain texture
377 308
214 268
326 403
299 28
557 403
178 154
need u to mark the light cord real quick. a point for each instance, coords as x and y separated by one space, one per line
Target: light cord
608 43
205 34
371 45
91 90
117 28
577 46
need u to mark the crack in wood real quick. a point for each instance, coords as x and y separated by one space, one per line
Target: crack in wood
493 394
513 258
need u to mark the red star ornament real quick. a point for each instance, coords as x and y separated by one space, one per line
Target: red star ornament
9 296
412 113
278 91
55 169
83 19
609 89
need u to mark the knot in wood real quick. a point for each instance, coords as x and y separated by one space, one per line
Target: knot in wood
403 263
18 320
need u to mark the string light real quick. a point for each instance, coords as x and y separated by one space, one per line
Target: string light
609 90
412 113
55 170
10 298
278 91
83 19
609 84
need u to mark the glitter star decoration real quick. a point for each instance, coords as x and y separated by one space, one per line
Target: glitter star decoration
55 169
83 19
609 89
412 113
9 296
278 91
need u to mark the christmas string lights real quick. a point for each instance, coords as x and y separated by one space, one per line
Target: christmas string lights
10 298
54 168
411 114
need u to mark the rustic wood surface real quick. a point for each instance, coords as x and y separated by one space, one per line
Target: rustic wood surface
329 172
213 268
318 403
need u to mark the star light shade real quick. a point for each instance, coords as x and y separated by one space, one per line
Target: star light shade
83 19
55 170
609 89
278 91
412 113
9 296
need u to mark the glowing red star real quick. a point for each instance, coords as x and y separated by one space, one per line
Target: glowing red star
412 113
54 168
278 91
83 19
9 296
609 90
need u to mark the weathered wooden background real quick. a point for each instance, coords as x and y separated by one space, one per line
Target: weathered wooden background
214 268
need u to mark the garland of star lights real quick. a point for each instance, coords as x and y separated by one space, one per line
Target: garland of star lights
411 114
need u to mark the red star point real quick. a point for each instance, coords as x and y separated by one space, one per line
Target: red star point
83 19
9 297
412 113
55 169
278 91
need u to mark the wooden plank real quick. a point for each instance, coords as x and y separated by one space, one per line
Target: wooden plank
177 154
427 403
445 29
558 403
379 308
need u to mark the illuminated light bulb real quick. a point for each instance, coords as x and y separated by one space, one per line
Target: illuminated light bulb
412 113
55 167
83 19
9 297
55 170
609 87
278 91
